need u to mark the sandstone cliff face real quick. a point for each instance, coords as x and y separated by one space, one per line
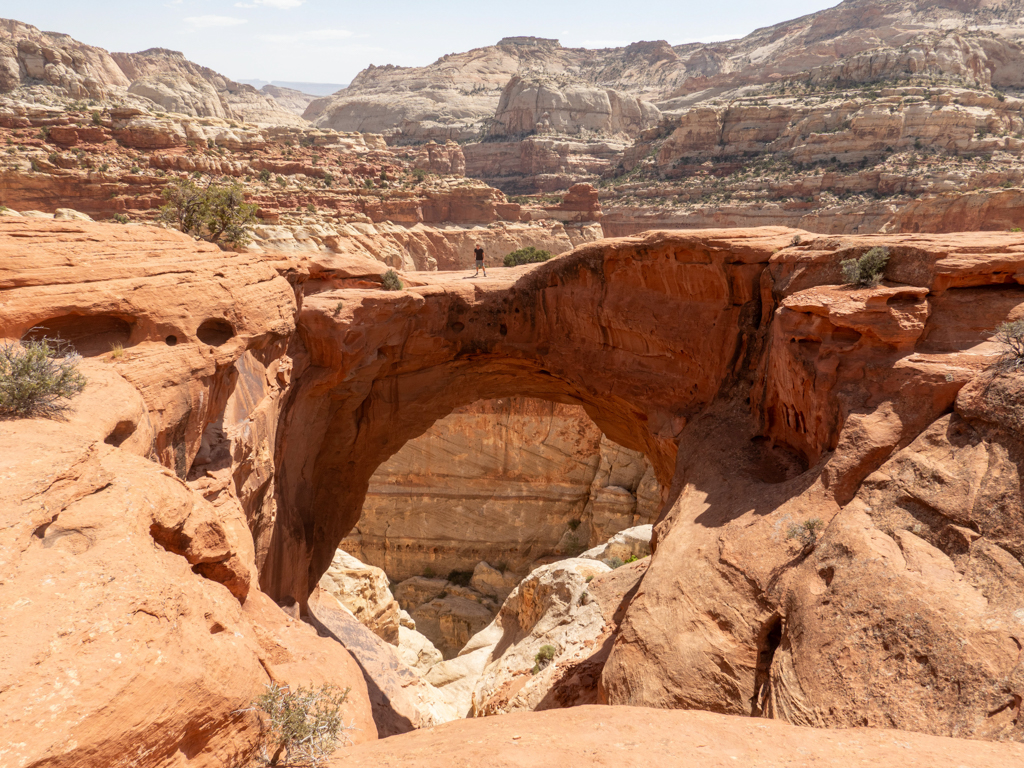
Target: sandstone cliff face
176 84
157 77
509 482
542 105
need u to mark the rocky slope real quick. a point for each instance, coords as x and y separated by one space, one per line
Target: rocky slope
52 68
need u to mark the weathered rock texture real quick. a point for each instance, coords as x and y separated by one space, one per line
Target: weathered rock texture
637 737
508 482
873 422
736 362
134 632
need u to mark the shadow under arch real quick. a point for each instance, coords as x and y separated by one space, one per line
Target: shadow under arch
642 332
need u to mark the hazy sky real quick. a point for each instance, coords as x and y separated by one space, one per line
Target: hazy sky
325 41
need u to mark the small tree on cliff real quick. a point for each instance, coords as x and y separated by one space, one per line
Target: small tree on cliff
214 212
38 378
301 726
868 270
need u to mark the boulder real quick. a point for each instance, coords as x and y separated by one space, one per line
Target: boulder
363 590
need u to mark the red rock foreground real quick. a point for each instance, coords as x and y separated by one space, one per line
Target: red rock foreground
624 737
239 403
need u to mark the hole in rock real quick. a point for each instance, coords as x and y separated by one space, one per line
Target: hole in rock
461 514
215 332
903 300
771 639
90 335
121 432
846 336
171 340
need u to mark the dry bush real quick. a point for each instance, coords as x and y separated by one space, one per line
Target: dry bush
38 378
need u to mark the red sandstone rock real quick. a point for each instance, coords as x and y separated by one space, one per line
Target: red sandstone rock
638 738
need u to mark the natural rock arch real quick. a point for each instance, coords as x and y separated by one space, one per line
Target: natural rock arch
643 335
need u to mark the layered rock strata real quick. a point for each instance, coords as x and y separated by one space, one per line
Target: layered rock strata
509 482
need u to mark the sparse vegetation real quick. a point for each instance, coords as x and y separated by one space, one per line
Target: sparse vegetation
391 281
121 218
38 378
337 308
527 255
1011 336
116 350
213 212
868 270
806 532
265 176
302 726
544 657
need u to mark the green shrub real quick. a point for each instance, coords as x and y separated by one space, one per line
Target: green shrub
807 531
215 213
527 255
328 180
264 175
337 308
868 270
96 120
135 169
419 174
38 378
120 218
305 725
1011 336
544 657
391 281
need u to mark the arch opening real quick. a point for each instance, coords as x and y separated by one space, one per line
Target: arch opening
461 514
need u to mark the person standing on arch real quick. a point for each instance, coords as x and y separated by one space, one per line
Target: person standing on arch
479 253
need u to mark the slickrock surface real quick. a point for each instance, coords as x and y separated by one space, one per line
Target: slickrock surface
639 737
134 631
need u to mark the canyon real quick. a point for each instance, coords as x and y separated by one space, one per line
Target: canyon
682 490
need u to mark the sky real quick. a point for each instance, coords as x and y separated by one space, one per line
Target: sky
329 41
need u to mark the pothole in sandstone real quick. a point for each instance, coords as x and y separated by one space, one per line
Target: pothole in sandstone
454 521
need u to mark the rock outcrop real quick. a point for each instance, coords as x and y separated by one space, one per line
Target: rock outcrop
365 592
548 105
134 628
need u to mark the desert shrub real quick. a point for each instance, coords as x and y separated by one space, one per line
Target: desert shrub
544 657
868 270
135 169
38 378
419 174
121 218
1011 336
806 532
337 308
428 573
391 281
264 175
116 350
614 562
96 120
527 255
305 724
213 212
460 578
328 180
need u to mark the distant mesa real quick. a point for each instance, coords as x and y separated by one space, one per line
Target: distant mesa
313 89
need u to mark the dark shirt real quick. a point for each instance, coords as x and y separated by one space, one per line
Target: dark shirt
479 253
